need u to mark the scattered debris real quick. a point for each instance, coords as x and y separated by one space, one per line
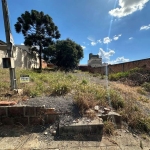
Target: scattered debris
96 108
8 95
106 110
18 91
134 135
54 132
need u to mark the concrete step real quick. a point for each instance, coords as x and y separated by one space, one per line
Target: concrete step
83 127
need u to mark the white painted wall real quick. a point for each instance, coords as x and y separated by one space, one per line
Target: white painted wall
95 62
22 58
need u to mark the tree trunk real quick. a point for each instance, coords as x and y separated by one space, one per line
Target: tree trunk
40 57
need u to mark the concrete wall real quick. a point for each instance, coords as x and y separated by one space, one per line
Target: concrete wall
2 54
94 60
144 63
22 58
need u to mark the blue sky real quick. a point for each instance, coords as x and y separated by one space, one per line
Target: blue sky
117 30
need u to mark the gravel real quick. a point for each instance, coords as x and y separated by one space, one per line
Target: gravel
62 104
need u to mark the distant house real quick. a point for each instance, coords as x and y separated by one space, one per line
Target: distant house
94 60
51 65
44 64
25 58
2 43
22 55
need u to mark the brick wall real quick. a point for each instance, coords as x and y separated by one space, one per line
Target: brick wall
144 63
44 64
27 115
84 68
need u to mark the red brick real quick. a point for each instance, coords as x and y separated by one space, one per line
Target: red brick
40 111
51 119
7 121
15 111
30 111
6 103
35 121
3 111
21 120
50 111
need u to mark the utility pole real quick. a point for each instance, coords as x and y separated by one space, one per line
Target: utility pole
9 41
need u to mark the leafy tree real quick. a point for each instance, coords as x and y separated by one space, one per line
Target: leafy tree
65 54
38 30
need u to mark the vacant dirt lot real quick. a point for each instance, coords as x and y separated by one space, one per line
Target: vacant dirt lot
40 137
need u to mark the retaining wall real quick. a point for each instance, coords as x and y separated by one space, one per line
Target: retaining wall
27 115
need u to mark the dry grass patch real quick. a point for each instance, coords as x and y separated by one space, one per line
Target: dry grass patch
134 107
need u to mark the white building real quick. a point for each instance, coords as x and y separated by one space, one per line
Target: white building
23 57
94 60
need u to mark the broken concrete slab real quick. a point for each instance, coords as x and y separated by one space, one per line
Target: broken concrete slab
83 126
113 116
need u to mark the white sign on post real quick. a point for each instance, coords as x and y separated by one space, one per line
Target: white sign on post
12 39
24 78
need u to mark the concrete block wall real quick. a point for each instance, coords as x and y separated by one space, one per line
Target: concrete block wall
27 115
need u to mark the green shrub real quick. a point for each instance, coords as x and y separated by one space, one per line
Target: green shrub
135 70
34 93
108 127
61 89
96 75
84 82
117 76
141 91
144 124
116 100
146 86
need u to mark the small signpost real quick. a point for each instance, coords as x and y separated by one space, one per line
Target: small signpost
24 78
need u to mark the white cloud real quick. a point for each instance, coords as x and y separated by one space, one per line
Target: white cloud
130 38
116 37
99 41
107 40
90 38
119 60
22 43
145 27
93 42
127 7
83 46
106 55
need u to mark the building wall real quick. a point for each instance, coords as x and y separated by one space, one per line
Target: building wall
144 63
2 54
44 64
94 60
22 58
